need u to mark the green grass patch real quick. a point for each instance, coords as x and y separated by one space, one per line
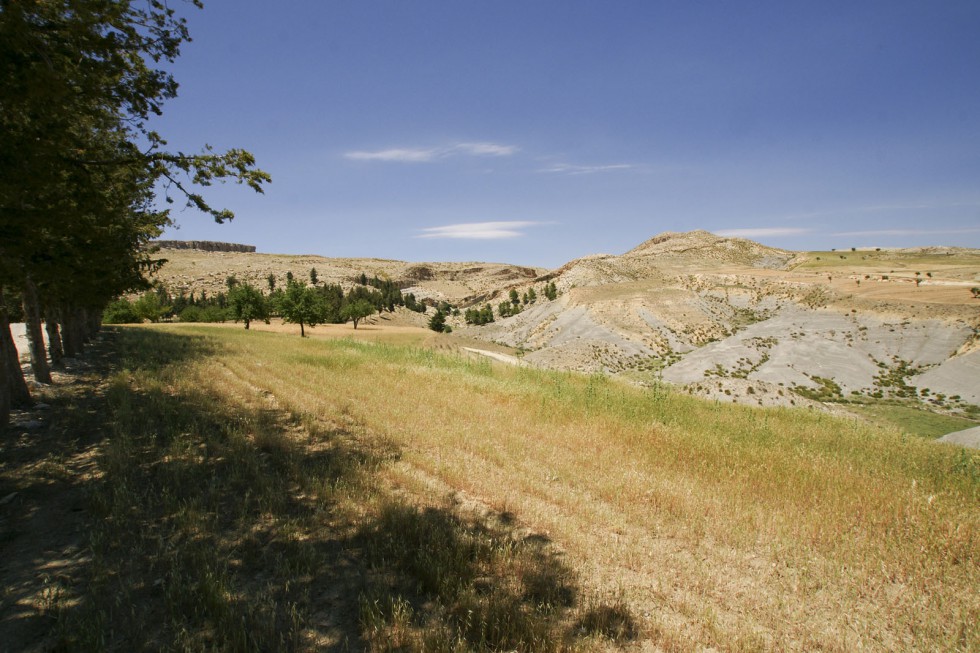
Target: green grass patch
911 420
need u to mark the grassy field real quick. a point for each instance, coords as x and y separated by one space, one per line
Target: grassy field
258 491
958 264
910 419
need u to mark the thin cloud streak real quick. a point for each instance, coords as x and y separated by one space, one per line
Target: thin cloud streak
571 169
428 155
485 149
479 230
395 155
762 232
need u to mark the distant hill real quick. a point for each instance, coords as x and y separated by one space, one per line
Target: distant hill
197 269
726 318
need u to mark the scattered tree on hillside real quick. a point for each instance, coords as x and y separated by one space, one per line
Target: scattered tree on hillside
271 280
551 291
507 309
479 316
976 293
413 304
314 279
247 303
357 310
438 321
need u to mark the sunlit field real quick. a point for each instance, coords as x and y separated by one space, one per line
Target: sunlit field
265 491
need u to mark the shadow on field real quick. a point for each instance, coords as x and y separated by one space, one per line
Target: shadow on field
207 525
48 466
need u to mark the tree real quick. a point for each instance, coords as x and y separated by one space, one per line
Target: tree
514 297
551 291
313 276
271 280
121 311
438 321
247 303
148 307
356 311
302 306
79 163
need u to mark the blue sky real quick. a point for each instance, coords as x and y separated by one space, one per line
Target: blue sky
537 132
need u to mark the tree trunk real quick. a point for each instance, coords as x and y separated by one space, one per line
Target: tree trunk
302 333
35 333
68 342
4 386
20 396
93 320
84 326
55 349
71 332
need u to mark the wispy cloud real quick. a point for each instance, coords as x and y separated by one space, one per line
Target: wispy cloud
571 169
909 232
430 154
762 232
484 149
479 230
395 155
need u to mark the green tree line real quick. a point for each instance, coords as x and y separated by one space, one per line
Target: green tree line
82 169
296 303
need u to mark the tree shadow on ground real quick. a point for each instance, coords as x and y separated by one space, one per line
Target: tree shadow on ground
48 460
204 524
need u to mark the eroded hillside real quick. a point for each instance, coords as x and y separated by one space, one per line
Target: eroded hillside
737 321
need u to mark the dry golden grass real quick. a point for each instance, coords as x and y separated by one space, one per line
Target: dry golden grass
719 526
650 516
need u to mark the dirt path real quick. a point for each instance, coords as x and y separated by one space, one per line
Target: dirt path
497 356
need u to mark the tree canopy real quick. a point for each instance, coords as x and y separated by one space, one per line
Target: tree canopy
78 159
80 165
247 303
